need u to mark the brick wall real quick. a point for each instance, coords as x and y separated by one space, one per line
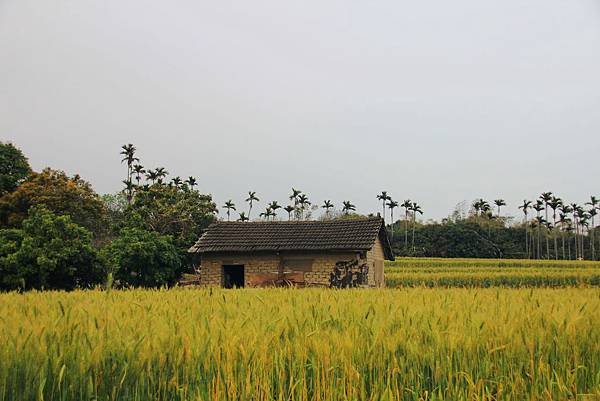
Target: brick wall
211 269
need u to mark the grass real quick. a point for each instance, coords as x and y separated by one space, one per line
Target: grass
310 344
438 272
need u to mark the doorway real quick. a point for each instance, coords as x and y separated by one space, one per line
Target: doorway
233 276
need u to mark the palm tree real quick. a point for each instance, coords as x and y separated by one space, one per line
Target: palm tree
348 207
151 175
191 181
294 196
564 221
415 208
546 197
569 229
129 187
499 203
128 153
538 207
593 203
289 209
525 207
407 204
267 213
138 169
486 209
554 204
327 205
229 205
176 181
251 199
243 217
392 204
575 209
274 206
160 174
304 203
584 218
383 197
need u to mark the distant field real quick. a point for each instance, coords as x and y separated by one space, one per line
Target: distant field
301 344
439 272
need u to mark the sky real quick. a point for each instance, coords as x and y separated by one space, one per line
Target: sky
435 101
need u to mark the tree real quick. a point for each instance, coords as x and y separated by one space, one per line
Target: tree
49 252
499 203
538 207
327 205
191 181
525 207
407 204
182 214
229 205
243 217
128 153
289 209
348 207
415 208
593 203
304 203
60 194
546 197
138 169
14 167
554 204
141 258
251 199
295 197
392 204
161 173
267 213
274 206
383 197
177 182
565 223
152 176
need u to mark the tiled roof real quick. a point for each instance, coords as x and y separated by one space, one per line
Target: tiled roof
350 234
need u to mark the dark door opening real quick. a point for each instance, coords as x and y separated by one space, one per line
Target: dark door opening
233 276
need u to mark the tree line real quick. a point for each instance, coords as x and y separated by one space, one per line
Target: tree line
56 232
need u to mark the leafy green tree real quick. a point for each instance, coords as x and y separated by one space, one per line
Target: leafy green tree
243 217
182 214
49 252
14 167
57 192
140 258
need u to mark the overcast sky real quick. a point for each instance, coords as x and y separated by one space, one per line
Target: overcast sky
435 101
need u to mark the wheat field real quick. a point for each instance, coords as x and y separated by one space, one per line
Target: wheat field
301 344
439 272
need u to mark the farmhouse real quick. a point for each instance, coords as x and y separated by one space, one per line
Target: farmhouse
337 253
